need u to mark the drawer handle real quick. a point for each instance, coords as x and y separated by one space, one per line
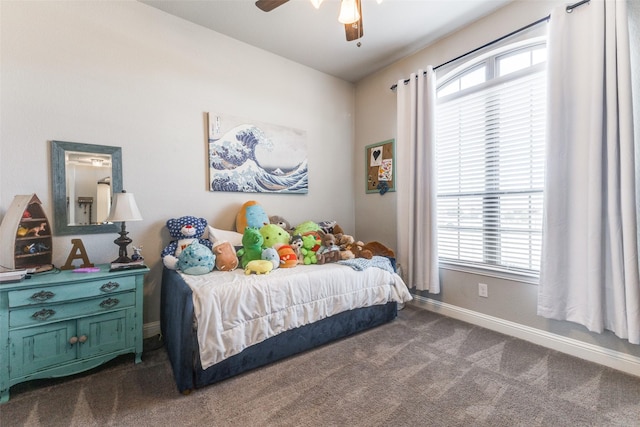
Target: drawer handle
109 303
43 314
110 286
42 296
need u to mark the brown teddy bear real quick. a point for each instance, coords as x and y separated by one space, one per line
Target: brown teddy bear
329 251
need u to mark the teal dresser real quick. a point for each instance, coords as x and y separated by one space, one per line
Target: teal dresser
62 323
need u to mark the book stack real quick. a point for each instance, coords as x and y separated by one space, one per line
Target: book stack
10 276
123 266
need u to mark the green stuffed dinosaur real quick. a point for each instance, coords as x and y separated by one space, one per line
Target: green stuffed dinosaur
310 245
251 246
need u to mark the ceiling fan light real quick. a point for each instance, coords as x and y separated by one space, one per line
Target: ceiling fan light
316 3
348 12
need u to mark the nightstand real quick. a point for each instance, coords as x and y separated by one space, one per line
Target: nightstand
61 323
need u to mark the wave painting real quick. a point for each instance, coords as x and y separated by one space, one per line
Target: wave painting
248 157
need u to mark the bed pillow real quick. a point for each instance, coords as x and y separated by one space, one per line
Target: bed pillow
216 235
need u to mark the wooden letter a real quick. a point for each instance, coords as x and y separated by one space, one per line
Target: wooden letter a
77 252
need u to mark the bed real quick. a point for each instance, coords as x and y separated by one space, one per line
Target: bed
222 324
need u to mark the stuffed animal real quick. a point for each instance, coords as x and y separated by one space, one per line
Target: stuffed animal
358 250
346 254
274 235
310 245
196 259
270 254
306 227
327 226
252 215
278 220
378 249
296 245
329 251
252 242
226 257
258 266
288 258
184 230
345 241
337 230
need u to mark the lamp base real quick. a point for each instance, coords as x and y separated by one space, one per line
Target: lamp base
122 241
122 260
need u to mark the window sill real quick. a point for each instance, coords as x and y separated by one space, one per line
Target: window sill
514 277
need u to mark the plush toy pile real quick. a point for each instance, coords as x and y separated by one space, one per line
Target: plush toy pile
261 244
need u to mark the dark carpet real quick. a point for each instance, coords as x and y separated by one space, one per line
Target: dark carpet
422 369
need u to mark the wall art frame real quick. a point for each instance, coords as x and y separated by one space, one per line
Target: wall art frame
380 172
254 157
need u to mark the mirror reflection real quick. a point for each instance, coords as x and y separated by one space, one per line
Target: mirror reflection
85 177
88 187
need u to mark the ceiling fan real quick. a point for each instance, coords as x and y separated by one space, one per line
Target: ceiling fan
350 14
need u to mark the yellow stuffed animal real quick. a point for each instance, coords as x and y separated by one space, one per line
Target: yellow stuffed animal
258 266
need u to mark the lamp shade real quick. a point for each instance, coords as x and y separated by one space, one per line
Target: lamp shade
124 208
348 12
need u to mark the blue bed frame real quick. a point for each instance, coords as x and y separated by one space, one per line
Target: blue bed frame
177 324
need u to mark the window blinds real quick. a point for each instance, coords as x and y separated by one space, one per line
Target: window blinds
490 154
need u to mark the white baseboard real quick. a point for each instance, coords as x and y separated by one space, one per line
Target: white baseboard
150 329
593 353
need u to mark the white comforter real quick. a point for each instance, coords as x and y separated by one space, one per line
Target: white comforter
234 310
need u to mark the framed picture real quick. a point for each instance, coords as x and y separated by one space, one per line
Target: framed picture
253 157
380 167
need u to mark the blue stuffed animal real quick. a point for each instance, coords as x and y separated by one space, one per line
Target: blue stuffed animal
184 231
196 259
270 254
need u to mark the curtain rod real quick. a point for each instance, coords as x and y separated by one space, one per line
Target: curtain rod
568 9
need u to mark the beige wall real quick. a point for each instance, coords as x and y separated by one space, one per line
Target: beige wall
125 74
375 215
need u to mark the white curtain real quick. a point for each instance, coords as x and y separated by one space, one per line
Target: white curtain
416 181
589 269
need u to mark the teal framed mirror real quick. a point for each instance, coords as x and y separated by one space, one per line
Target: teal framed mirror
84 179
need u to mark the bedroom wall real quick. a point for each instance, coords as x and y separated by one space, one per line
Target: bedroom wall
125 74
510 302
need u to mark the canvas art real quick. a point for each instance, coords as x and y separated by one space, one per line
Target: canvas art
252 157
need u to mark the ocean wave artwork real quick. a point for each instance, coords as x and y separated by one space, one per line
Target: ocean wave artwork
251 157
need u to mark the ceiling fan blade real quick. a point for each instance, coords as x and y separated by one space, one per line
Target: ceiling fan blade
355 31
269 5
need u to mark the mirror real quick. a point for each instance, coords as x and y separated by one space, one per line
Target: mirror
84 178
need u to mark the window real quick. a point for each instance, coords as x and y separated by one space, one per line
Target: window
490 130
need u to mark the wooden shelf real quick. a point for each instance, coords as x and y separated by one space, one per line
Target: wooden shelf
25 212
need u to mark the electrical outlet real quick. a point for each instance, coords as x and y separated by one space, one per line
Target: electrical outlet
483 290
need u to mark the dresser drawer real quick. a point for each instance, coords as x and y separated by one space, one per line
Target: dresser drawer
61 293
55 312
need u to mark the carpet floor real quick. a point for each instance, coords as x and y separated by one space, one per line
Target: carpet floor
422 369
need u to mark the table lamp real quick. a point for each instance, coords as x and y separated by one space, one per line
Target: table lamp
124 208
